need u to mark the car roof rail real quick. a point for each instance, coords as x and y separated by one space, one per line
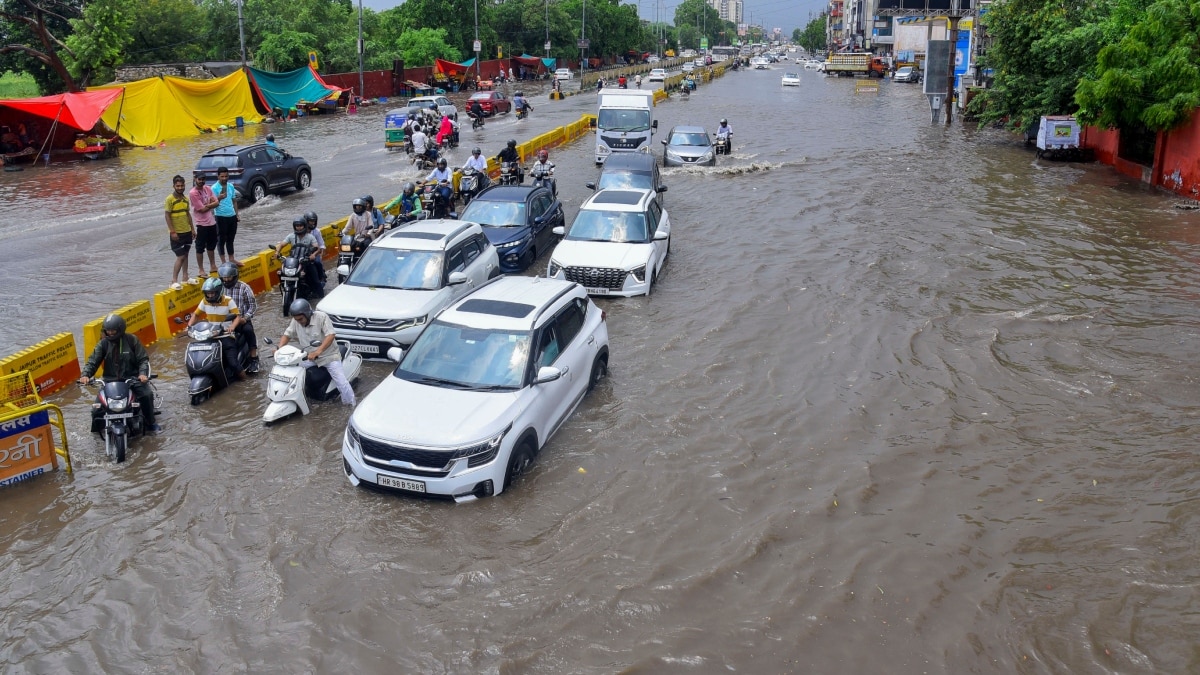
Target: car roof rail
537 315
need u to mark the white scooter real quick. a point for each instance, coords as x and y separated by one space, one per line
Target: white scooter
290 385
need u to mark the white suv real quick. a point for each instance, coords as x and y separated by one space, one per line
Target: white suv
617 244
480 392
444 105
404 278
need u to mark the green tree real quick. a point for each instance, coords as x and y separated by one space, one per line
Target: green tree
1151 77
701 18
812 38
31 37
166 31
97 44
422 46
285 50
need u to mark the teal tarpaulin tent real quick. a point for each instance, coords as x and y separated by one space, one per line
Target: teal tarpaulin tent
285 90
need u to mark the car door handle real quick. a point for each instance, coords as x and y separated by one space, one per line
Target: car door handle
591 339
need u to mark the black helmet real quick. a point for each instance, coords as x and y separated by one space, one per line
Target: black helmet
357 203
370 201
300 306
512 143
442 162
270 137
213 289
299 223
228 273
519 93
310 217
114 322
724 121
409 188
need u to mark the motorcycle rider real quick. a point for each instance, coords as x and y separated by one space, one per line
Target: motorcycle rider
477 162
361 221
445 133
410 203
217 307
310 217
305 244
638 80
510 154
521 104
242 296
376 214
475 111
443 190
725 132
308 325
123 357
421 144
622 83
546 167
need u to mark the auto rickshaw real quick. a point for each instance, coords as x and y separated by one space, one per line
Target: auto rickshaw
393 129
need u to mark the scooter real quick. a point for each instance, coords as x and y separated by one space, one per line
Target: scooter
120 415
469 184
544 178
205 363
294 280
291 385
349 251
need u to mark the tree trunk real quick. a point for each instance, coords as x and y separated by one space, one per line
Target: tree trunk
48 54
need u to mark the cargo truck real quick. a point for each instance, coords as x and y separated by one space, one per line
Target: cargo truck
855 64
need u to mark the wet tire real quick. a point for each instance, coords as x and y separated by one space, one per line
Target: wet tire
518 463
599 370
258 191
120 445
288 297
197 399
303 179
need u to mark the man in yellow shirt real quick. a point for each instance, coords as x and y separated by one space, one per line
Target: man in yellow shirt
218 307
179 225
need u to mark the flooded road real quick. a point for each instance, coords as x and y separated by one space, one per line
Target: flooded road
905 400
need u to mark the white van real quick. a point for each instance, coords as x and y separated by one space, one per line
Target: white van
624 122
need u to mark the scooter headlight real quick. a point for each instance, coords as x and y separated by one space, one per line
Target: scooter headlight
118 405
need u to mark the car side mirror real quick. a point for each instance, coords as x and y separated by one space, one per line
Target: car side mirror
457 278
661 188
663 141
590 186
654 124
539 220
547 374
343 270
659 235
560 230
394 354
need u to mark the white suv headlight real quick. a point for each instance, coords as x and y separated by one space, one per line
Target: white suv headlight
555 268
353 440
639 274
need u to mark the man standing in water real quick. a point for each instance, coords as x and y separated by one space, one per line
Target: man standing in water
203 202
179 225
227 216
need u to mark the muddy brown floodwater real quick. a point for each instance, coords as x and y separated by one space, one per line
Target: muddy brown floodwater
906 400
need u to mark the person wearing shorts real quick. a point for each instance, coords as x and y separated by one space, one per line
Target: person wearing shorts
203 203
179 225
227 216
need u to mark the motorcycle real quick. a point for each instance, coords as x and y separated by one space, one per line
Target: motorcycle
723 144
294 280
205 363
469 184
433 203
476 122
425 162
544 178
290 385
121 415
510 173
524 112
350 250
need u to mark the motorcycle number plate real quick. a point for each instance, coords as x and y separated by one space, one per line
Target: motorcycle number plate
365 349
597 291
402 484
118 416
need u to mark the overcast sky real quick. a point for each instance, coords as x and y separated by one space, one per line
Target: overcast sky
785 14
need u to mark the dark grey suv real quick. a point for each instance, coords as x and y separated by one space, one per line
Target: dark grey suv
623 170
255 170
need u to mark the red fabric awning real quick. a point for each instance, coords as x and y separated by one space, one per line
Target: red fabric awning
80 110
450 68
532 61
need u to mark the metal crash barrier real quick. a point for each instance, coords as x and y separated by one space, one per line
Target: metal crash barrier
28 447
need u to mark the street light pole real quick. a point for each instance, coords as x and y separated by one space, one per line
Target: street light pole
478 75
241 33
547 29
361 93
582 42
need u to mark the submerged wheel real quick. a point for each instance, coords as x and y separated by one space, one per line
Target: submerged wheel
197 399
303 179
259 190
518 463
599 370
288 297
120 443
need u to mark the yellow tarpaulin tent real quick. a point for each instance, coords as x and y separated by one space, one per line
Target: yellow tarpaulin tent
173 107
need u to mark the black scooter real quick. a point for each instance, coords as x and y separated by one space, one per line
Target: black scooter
117 416
205 363
297 278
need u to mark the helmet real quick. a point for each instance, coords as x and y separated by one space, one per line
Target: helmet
114 322
409 188
270 137
228 273
512 143
310 217
724 121
299 225
543 155
476 150
357 203
433 105
441 162
370 201
300 306
519 93
213 289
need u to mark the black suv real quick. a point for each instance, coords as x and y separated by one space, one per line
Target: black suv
631 170
255 170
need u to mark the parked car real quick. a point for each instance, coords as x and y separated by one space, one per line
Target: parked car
907 74
563 74
518 220
636 170
657 75
255 170
652 59
687 145
617 244
406 277
814 64
444 105
492 102
688 67
480 392
791 79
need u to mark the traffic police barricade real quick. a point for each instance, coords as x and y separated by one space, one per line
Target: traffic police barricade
27 441
52 363
138 321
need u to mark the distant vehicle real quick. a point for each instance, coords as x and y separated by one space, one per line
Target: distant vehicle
688 67
624 121
685 146
701 62
907 74
518 220
814 64
760 63
855 64
657 75
652 59
791 79
492 102
688 54
563 74
255 170
445 107
637 170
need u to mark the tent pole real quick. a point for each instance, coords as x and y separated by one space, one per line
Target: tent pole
120 109
53 126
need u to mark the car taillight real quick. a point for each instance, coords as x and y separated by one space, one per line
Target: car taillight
603 315
237 172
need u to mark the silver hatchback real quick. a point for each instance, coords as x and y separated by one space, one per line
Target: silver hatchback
685 146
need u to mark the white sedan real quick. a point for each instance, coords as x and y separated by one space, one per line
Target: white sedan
562 74
657 75
791 79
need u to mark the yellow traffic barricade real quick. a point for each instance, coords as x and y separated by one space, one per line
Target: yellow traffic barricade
28 446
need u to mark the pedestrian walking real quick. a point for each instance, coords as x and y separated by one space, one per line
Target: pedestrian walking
203 202
179 225
227 216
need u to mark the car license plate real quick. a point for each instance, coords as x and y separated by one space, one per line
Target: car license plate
402 484
597 291
365 349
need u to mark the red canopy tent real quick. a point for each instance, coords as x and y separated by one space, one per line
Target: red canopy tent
80 111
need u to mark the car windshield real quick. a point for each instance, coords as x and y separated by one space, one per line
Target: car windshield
495 214
623 227
398 268
678 139
625 179
791 76
615 119
461 357
481 96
